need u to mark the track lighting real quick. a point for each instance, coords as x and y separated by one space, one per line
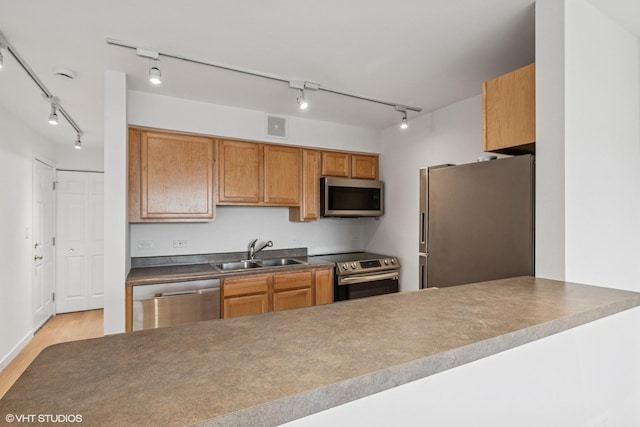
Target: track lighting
404 123
78 143
301 85
1 60
54 101
53 116
302 102
155 76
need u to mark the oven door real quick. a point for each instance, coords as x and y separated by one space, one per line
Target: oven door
366 285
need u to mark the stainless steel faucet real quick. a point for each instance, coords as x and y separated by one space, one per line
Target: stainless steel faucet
252 248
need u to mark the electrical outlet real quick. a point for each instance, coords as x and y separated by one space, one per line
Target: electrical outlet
145 244
180 244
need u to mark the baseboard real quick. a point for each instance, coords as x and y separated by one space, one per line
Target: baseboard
15 350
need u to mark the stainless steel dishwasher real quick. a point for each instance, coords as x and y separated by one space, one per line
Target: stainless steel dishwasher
168 304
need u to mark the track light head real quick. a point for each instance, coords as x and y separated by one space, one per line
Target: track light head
302 102
1 60
404 124
401 108
155 76
53 116
78 144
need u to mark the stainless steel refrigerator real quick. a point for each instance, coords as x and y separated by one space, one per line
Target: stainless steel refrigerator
477 221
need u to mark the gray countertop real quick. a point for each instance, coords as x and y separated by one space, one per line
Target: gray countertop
276 367
153 270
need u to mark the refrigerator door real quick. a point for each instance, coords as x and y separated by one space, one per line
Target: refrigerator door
422 244
480 221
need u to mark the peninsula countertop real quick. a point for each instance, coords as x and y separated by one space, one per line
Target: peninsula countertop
272 368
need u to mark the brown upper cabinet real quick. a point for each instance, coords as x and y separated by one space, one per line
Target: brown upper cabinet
282 173
336 164
509 107
251 173
364 166
309 209
240 172
170 177
347 165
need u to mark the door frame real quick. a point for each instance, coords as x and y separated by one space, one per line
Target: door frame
50 164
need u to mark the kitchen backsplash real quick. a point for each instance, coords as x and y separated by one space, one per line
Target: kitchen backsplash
235 227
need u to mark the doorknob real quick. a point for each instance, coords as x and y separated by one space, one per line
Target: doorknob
37 257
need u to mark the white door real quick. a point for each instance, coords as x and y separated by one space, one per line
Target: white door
43 233
80 241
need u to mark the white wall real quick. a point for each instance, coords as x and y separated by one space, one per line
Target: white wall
18 146
550 140
450 135
88 159
116 231
588 146
602 149
584 377
234 227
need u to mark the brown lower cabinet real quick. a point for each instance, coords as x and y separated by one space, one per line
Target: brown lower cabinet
261 293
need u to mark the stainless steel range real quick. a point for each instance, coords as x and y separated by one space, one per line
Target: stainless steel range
363 274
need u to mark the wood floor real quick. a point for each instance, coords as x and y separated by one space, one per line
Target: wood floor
60 328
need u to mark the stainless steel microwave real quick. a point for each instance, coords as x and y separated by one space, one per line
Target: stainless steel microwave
351 197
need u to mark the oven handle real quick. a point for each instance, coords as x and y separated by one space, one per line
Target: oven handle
350 280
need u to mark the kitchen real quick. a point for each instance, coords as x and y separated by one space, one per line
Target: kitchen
452 134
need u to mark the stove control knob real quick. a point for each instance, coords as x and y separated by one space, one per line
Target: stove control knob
386 262
345 267
393 261
353 265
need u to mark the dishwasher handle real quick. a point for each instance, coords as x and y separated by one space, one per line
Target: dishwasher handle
193 292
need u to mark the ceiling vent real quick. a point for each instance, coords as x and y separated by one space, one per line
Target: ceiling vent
276 127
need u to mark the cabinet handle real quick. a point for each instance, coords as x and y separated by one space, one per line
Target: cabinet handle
37 257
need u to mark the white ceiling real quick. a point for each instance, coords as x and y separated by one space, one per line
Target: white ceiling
423 53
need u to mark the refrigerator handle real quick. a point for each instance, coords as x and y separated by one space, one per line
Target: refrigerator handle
423 271
423 237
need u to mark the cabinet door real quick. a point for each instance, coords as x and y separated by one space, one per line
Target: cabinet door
364 167
246 305
282 171
323 286
239 172
509 105
336 164
297 298
309 208
176 176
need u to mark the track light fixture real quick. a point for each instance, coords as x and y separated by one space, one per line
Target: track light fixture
404 123
54 101
53 116
155 76
1 60
78 144
302 102
301 85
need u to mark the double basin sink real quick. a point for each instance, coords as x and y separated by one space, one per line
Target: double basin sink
258 263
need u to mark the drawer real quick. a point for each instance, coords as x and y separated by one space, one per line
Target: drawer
302 279
245 285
